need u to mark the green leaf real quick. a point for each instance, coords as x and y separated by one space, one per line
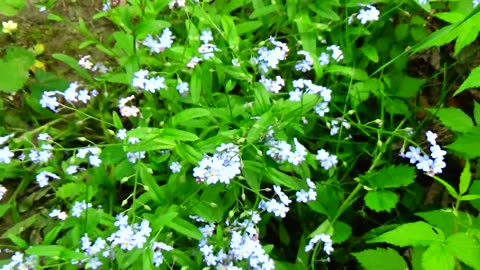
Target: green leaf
14 69
341 232
370 52
258 129
381 200
467 144
453 118
449 188
178 135
280 178
380 259
476 112
185 227
188 153
475 191
353 73
405 86
11 7
411 234
465 178
157 194
438 257
19 242
472 81
184 116
248 27
73 63
465 248
391 177
445 220
46 250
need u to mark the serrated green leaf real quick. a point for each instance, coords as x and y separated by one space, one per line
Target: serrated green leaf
472 81
391 177
443 219
70 190
465 178
453 118
341 232
380 259
465 248
411 234
381 200
438 257
468 143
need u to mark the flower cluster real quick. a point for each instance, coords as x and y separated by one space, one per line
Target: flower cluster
128 110
72 94
432 164
93 155
43 155
207 49
151 84
278 208
221 167
281 151
306 196
9 27
334 125
243 246
58 214
327 243
19 261
368 14
270 58
306 64
273 86
43 177
302 86
134 156
3 190
79 207
5 153
86 63
159 44
326 160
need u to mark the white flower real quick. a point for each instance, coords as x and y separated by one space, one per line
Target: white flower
337 53
72 169
368 15
182 88
3 190
5 155
85 62
58 214
175 167
9 27
206 36
43 177
431 137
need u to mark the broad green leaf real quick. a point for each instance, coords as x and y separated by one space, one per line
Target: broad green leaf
472 81
71 190
180 118
4 208
453 118
341 232
252 171
438 257
247 27
467 32
370 52
353 73
443 219
185 227
397 106
11 7
358 93
469 197
46 250
465 248
307 36
475 191
467 144
52 234
149 26
391 177
380 259
258 129
381 200
411 234
19 242
263 11
230 32
465 178
405 86
14 69
188 153
281 179
178 135
325 227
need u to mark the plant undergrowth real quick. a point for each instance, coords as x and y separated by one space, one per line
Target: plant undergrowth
249 134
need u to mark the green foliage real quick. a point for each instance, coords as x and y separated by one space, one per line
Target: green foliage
380 259
11 7
14 68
